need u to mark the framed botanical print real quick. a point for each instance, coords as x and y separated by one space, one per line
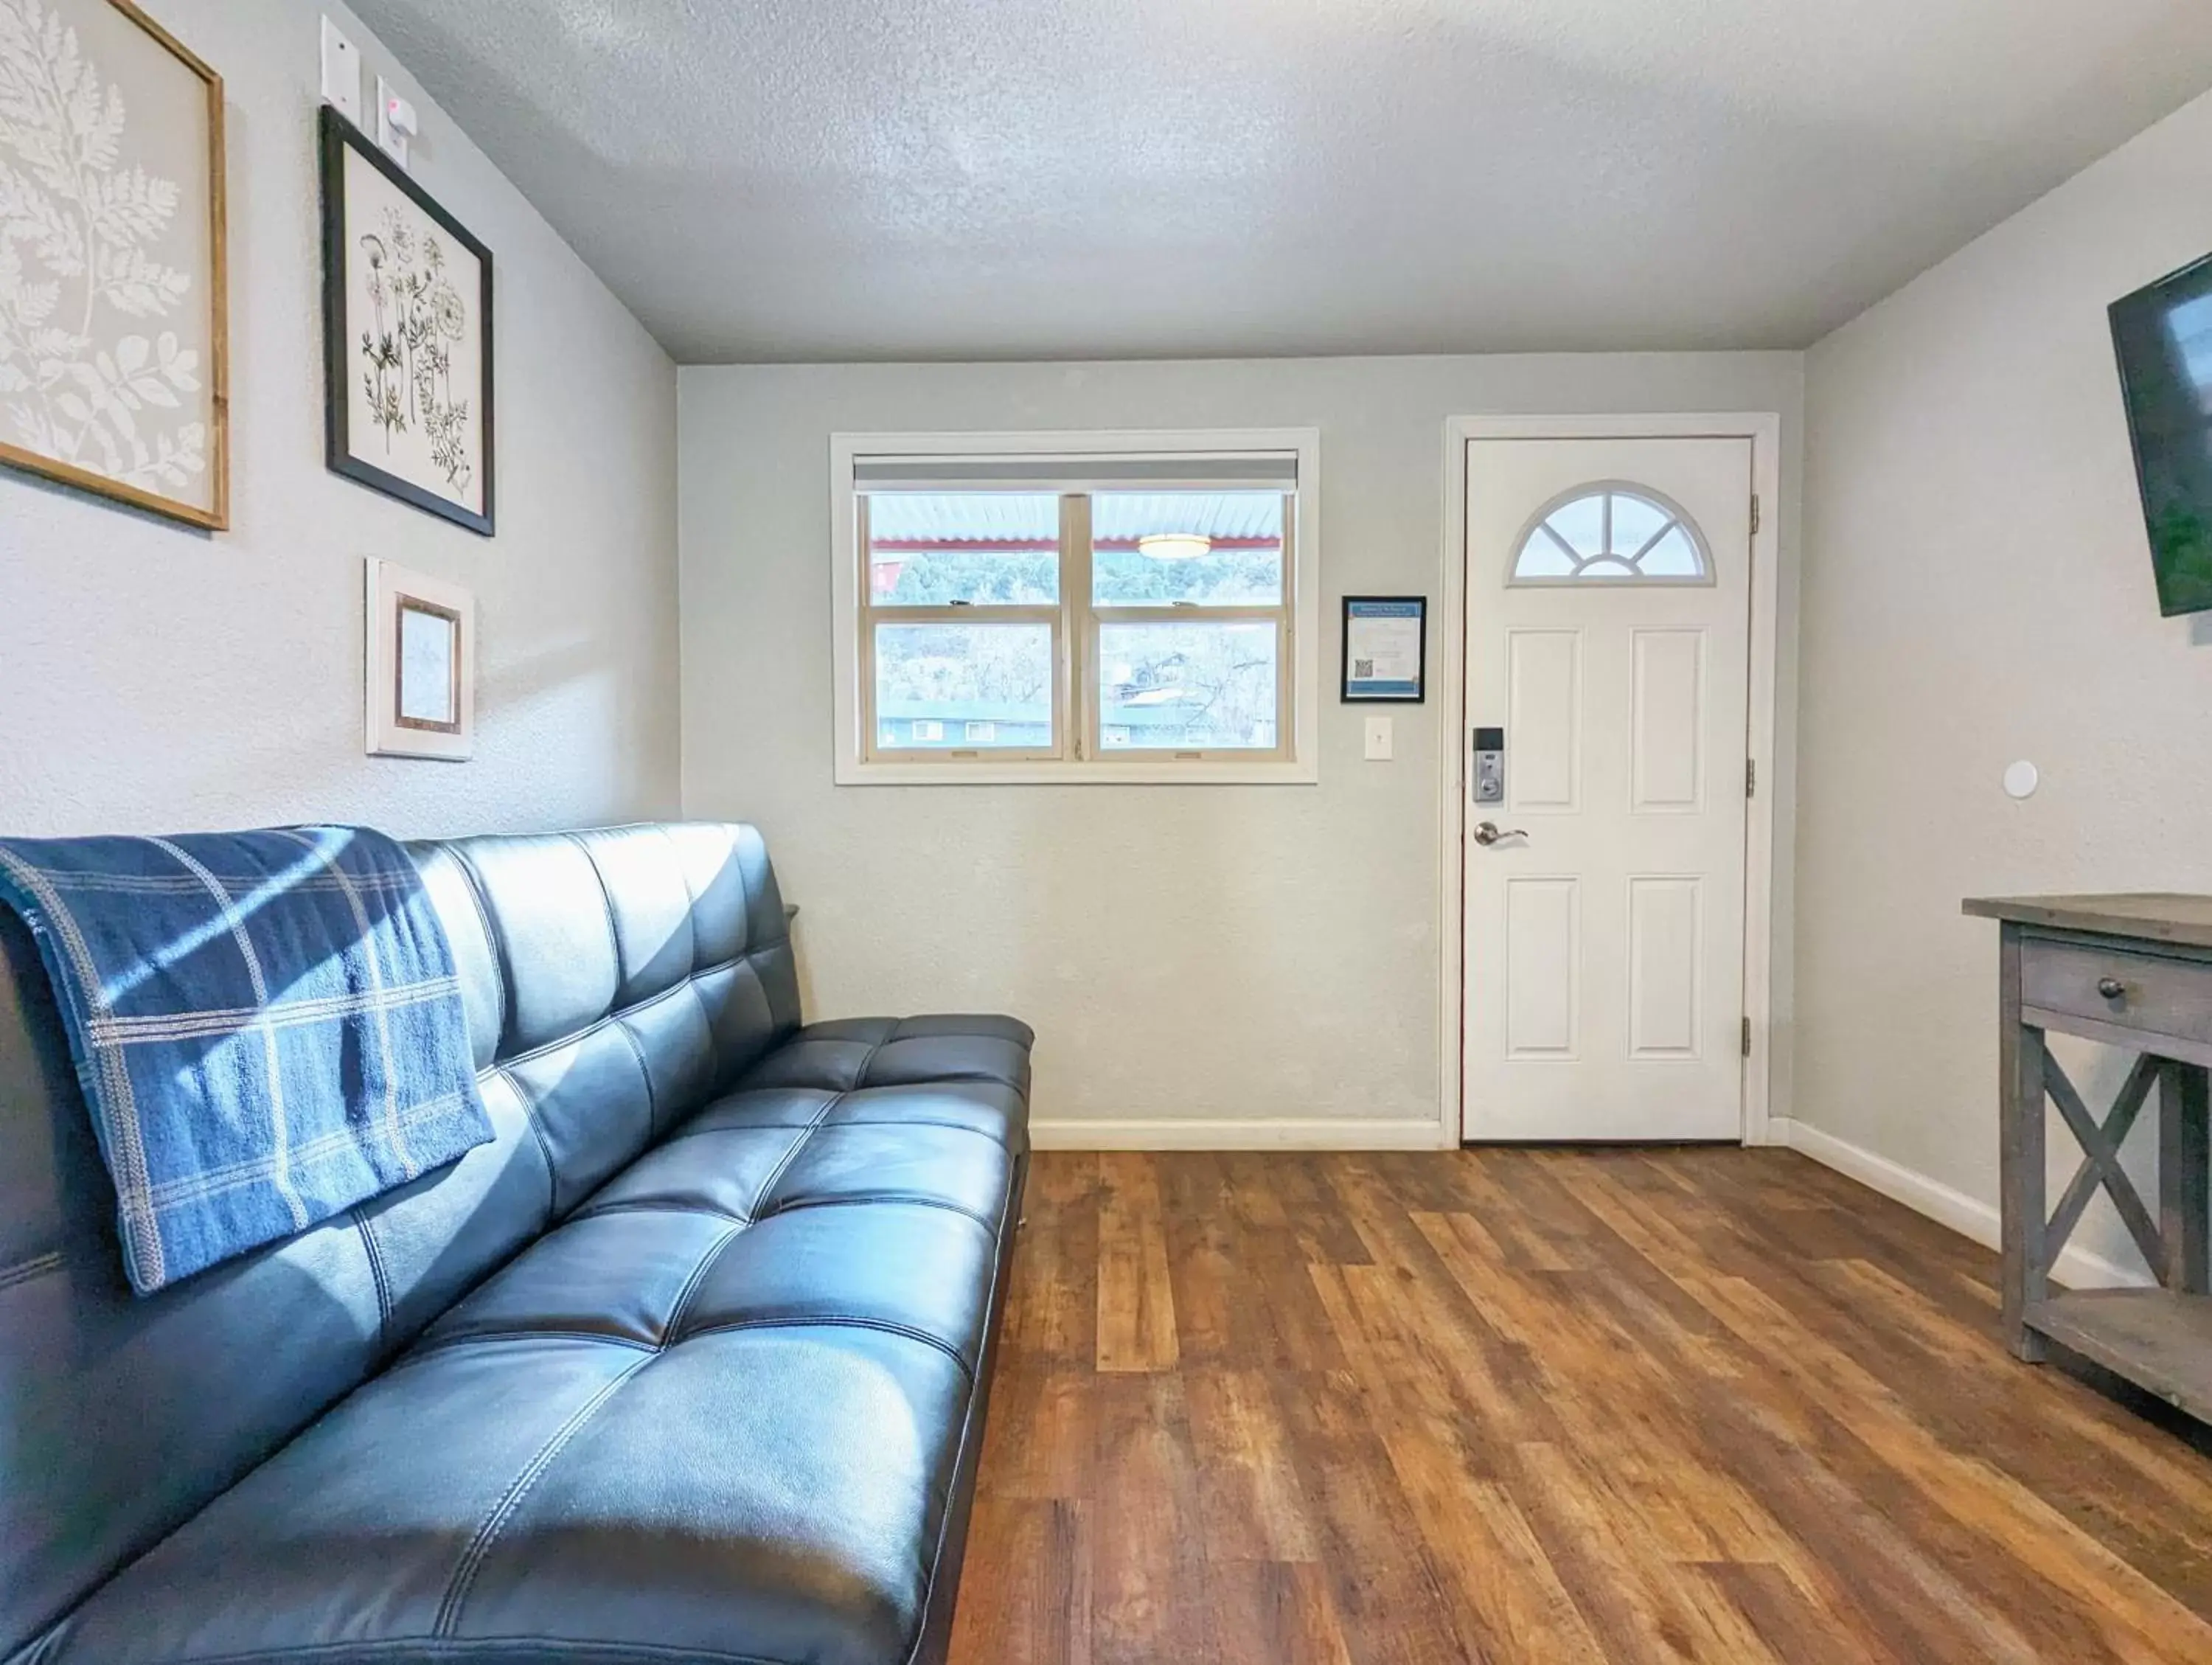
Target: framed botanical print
422 662
407 310
113 329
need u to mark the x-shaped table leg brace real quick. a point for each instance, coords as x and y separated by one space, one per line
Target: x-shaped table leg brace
2100 1145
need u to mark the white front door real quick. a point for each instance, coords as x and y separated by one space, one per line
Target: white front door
1608 587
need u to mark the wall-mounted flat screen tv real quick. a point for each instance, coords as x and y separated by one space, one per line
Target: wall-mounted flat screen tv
2164 338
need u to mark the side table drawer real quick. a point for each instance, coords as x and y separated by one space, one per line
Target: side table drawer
2111 986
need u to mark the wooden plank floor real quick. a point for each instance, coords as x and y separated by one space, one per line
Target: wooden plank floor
1528 1407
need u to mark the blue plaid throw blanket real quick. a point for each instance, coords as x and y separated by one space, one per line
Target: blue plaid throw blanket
266 1025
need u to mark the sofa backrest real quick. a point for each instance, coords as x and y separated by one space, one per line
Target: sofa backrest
615 982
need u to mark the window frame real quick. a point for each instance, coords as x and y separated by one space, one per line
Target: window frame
1636 579
872 617
1077 755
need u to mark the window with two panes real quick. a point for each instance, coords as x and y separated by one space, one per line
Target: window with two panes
1099 624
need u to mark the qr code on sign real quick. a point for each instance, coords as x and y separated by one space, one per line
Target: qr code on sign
1363 670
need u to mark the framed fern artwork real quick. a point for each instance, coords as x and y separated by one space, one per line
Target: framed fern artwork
407 306
113 334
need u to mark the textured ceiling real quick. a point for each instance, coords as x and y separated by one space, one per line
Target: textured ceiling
992 179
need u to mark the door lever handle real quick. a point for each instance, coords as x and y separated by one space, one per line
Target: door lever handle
1486 833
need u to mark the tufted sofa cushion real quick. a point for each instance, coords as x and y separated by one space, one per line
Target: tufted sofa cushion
691 1363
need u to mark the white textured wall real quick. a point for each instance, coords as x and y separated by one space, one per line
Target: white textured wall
152 678
1246 953
1977 588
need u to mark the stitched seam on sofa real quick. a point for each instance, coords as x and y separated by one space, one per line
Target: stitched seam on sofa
376 1272
878 1198
472 1559
979 1075
691 1132
652 1098
745 946
714 1072
690 896
606 907
860 1079
946 1081
999 1269
653 1205
426 1350
538 1131
749 1081
473 883
841 1320
690 1290
776 1174
627 1012
926 1121
614 939
23 1271
448 1343
621 975
757 942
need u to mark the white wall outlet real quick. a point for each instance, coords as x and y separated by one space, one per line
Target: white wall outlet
341 73
395 121
1379 739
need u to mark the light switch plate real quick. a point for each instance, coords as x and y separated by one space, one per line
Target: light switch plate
1379 739
389 139
341 73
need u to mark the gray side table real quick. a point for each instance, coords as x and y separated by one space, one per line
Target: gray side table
2134 972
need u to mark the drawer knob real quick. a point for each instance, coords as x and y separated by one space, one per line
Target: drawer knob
2112 987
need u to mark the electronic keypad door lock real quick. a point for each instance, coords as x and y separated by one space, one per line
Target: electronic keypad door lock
1489 765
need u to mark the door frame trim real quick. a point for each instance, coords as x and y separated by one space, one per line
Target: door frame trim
1763 430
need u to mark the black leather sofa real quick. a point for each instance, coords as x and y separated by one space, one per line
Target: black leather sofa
688 1365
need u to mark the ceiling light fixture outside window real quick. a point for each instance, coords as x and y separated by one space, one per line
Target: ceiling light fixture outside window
1175 546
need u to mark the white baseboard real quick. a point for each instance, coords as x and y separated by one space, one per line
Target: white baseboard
1238 1135
2077 1268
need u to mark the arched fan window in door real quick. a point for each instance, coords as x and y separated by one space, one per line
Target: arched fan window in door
1610 532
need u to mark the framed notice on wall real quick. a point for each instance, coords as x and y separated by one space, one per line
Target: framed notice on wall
1386 648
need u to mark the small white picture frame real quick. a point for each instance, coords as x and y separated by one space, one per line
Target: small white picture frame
422 660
